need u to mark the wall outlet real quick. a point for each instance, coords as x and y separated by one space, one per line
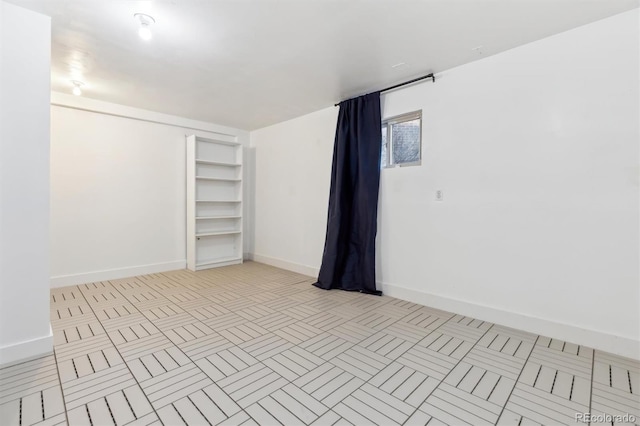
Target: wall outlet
439 195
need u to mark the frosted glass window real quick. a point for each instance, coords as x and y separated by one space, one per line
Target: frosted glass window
402 140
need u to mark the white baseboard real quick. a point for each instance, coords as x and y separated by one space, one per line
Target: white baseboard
284 264
113 274
24 351
618 345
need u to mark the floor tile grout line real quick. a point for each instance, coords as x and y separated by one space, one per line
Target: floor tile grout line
289 381
41 390
21 363
190 359
278 311
413 346
358 344
460 409
163 285
116 348
22 395
453 368
176 346
396 320
285 379
515 383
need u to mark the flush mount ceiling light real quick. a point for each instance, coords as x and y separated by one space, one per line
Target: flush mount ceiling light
77 87
145 25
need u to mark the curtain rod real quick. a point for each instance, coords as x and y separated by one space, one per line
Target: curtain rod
424 77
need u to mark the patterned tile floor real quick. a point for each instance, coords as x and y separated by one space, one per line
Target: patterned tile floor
251 344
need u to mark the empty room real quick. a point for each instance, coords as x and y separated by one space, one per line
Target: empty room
319 212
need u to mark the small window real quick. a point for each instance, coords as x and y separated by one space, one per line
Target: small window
402 140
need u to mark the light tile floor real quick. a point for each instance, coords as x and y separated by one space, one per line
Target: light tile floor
251 344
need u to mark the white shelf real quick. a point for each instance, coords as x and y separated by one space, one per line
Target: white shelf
217 217
218 179
218 163
218 201
216 141
218 261
213 234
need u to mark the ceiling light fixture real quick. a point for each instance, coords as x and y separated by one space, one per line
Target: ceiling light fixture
145 25
77 87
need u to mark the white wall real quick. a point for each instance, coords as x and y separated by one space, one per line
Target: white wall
25 45
118 189
293 172
536 150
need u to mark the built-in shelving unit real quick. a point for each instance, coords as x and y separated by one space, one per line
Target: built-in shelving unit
214 203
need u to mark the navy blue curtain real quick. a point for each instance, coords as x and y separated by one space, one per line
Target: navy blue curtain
349 258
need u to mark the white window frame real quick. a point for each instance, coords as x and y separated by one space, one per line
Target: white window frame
389 122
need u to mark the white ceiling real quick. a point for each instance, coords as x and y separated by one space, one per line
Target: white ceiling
251 63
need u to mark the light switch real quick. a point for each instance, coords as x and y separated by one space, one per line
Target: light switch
439 195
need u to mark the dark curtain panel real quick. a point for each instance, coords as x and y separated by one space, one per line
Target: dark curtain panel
349 258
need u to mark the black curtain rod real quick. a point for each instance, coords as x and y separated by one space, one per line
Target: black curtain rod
424 77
